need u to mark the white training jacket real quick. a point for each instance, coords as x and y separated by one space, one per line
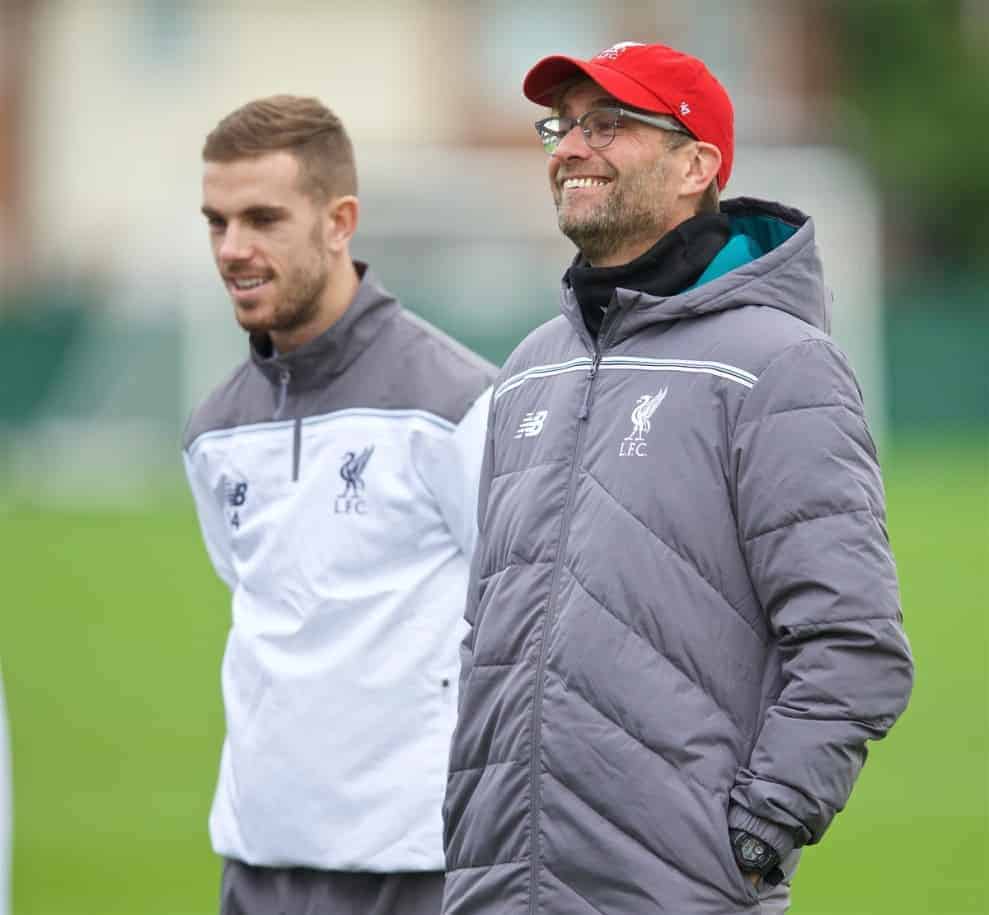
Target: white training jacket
336 489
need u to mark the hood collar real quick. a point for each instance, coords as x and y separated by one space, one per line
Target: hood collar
316 362
780 269
671 265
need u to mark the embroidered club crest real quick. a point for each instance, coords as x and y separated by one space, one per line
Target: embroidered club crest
634 444
351 501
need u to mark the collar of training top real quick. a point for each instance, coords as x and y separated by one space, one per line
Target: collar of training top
316 362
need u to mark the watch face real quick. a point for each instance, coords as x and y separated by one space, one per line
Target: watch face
752 851
752 854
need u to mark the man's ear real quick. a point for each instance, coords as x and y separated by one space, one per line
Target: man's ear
701 168
342 215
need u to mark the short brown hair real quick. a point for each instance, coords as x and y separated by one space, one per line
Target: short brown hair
305 127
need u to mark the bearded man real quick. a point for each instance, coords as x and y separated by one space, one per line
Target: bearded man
685 622
335 477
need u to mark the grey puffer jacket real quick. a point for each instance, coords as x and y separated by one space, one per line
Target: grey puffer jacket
683 604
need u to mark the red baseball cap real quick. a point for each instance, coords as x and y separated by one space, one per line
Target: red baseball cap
654 78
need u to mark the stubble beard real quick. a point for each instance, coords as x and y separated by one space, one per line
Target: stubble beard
303 293
304 286
630 212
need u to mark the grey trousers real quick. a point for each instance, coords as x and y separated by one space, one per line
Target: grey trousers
248 890
251 890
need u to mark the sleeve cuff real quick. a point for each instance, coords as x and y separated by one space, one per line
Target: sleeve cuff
780 838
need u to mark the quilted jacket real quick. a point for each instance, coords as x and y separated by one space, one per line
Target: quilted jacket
683 605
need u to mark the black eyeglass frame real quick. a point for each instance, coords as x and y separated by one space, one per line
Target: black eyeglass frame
551 139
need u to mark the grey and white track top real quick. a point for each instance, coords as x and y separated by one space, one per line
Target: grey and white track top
684 610
336 490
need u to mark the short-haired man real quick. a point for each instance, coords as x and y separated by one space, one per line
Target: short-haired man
335 477
684 610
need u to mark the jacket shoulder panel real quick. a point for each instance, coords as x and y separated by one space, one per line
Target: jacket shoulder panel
428 369
242 399
810 370
549 342
753 336
410 365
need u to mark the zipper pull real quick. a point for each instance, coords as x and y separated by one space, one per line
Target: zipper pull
585 408
283 379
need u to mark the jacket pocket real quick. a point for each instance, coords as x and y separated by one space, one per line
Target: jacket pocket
740 882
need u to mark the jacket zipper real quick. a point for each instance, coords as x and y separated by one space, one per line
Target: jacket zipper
284 377
296 448
585 408
537 699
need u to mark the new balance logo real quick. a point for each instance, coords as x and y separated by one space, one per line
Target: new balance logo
236 494
532 424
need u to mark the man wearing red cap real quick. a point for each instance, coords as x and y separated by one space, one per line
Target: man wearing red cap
685 621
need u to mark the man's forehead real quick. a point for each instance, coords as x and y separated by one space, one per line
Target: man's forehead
269 165
271 174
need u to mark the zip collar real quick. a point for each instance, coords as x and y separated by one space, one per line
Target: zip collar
317 362
771 260
671 265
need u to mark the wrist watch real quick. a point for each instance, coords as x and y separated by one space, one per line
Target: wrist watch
752 854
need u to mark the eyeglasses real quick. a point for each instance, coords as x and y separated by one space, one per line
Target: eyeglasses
599 126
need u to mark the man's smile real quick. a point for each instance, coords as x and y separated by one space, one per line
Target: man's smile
245 288
251 283
570 184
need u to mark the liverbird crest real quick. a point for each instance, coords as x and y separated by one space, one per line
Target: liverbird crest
644 408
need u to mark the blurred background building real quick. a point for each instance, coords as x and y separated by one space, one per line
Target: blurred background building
869 116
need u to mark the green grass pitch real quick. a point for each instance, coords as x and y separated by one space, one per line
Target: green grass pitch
111 634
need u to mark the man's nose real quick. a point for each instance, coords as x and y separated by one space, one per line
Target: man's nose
236 244
572 146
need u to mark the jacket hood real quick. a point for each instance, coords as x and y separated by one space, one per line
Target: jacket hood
771 259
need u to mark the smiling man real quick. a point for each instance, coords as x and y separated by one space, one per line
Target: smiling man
335 477
685 623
